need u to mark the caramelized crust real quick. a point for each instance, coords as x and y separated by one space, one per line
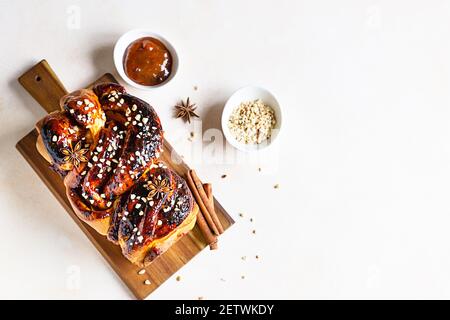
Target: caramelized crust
58 133
97 219
143 140
153 215
106 144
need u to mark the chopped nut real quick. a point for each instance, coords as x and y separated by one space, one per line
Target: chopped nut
147 282
252 122
142 271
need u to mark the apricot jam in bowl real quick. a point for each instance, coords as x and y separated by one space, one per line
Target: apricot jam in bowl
145 59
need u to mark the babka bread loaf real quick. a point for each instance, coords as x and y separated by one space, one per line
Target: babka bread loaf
106 145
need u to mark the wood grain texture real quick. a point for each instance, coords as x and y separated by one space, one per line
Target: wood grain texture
47 90
43 85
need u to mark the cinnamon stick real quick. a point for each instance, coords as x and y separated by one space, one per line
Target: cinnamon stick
208 204
201 203
208 191
209 237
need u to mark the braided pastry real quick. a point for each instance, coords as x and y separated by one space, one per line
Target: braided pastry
106 143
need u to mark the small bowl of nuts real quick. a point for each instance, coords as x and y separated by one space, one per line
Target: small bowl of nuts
251 119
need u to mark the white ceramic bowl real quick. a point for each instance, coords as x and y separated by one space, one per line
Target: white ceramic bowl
248 94
122 44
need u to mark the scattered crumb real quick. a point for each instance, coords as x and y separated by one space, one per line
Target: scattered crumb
190 139
224 176
141 271
244 258
242 277
257 257
259 169
222 279
147 282
192 134
254 231
276 186
241 215
195 88
251 219
178 278
201 298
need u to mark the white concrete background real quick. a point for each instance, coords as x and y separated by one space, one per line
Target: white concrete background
363 208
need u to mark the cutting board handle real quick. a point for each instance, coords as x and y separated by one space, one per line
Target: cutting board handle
43 85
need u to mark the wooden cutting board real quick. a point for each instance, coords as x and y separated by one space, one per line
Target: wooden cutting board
42 83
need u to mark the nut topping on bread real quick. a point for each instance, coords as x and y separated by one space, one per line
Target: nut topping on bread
106 143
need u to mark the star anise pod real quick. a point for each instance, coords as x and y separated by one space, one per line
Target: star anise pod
157 188
74 155
185 110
